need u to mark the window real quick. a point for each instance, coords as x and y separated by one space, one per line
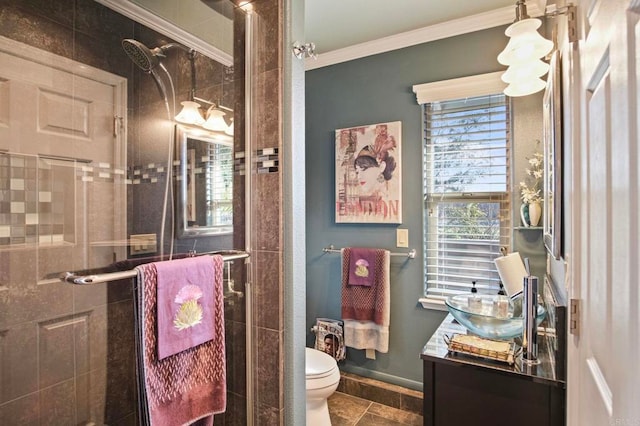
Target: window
204 178
466 191
219 184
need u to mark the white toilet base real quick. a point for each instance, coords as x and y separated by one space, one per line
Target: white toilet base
318 412
322 378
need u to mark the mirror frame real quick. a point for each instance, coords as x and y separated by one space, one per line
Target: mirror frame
183 135
552 137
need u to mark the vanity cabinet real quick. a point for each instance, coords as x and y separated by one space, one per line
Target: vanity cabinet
461 389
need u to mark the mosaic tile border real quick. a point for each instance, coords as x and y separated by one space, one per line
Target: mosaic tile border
267 160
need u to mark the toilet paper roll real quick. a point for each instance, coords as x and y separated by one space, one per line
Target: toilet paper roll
512 272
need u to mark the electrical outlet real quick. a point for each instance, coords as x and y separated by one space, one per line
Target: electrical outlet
402 237
143 244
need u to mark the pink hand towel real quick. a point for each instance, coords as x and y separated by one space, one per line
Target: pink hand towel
362 264
185 304
186 387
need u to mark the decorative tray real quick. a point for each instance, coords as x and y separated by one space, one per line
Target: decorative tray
483 348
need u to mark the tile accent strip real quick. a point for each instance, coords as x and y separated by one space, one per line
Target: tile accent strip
239 161
267 160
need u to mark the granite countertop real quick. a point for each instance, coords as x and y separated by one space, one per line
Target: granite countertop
436 350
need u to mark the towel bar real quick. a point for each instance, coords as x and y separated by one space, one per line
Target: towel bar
411 254
72 278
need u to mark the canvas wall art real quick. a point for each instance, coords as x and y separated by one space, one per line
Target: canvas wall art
369 174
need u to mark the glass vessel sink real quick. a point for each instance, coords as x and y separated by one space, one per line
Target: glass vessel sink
482 317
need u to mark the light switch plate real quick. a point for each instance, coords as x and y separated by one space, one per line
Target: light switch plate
402 237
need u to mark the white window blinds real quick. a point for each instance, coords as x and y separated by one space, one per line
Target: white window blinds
466 188
219 184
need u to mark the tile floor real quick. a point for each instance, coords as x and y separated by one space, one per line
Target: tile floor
348 410
364 401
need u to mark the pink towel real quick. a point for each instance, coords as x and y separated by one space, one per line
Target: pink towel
366 310
365 303
190 385
362 269
185 304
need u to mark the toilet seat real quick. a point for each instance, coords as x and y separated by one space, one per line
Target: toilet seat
321 370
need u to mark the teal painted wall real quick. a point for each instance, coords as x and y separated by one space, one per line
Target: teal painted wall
366 91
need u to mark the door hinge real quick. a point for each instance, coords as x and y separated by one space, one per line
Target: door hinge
574 317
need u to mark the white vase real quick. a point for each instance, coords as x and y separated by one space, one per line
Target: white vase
535 212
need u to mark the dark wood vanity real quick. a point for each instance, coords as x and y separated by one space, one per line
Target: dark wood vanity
461 389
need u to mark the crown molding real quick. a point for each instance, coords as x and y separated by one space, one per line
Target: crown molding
153 21
469 24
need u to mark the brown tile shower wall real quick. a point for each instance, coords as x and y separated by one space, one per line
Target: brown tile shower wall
269 368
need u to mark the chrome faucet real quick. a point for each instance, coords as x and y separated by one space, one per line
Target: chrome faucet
530 310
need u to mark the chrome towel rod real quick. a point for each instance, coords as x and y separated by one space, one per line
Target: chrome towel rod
71 278
411 254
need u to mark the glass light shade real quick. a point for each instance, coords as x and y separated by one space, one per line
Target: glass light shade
525 88
190 113
229 130
524 72
215 121
526 44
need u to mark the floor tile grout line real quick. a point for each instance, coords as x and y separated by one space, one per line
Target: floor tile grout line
364 413
370 406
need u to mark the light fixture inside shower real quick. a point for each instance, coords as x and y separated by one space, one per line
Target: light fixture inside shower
215 119
191 113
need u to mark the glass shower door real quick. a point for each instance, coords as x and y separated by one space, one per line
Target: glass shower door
63 208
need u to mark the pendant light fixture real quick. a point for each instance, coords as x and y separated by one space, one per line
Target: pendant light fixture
526 48
523 55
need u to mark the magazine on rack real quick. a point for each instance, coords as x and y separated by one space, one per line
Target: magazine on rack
330 337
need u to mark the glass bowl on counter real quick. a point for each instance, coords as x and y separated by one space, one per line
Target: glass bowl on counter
481 315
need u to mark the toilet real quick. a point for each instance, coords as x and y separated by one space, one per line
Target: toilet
322 377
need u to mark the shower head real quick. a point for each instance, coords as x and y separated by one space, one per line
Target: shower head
148 60
141 55
145 58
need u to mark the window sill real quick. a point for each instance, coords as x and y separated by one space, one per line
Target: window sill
433 304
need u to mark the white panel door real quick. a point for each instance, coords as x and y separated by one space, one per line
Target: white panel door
61 127
53 111
603 252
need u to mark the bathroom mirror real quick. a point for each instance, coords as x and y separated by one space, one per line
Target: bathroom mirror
552 136
204 182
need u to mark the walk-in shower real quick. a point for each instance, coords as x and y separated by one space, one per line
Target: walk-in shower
85 187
